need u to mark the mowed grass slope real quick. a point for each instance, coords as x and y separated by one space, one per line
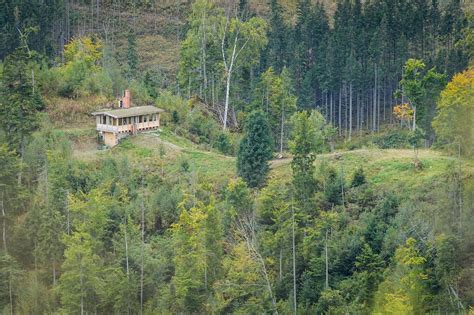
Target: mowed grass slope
384 169
156 150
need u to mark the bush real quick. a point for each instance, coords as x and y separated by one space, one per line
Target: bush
358 178
176 108
201 128
223 144
394 139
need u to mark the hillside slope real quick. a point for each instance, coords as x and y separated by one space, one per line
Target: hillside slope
384 168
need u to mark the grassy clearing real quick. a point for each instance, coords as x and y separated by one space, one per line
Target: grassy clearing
385 169
143 150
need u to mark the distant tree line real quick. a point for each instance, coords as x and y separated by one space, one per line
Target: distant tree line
348 66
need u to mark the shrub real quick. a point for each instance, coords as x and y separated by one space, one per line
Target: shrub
358 178
394 139
223 144
202 129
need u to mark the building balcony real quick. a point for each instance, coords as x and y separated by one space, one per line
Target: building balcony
129 127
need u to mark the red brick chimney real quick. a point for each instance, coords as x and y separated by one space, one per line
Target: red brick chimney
126 101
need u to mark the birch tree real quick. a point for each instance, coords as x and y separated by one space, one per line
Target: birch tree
241 42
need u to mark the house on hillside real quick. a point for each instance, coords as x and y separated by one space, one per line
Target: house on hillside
115 124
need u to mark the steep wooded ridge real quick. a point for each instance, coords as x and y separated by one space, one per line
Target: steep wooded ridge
314 157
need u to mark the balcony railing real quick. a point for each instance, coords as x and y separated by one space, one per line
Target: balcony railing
128 128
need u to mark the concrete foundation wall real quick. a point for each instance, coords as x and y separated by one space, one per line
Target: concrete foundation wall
109 139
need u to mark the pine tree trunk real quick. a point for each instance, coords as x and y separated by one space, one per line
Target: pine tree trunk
374 109
126 262
357 112
326 286
54 272
326 105
4 223
350 111
280 260
340 110
282 129
294 258
81 282
10 292
346 125
367 121
331 109
414 118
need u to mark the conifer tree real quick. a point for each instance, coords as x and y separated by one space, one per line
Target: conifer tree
19 101
277 37
255 150
132 57
197 238
302 147
79 284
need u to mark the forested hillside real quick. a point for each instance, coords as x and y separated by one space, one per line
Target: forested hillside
313 157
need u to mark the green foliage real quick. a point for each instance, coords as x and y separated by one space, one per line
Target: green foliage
276 98
19 101
197 241
207 241
422 89
80 282
132 58
200 51
223 144
82 74
302 147
454 122
202 128
358 178
10 190
216 45
333 187
32 22
238 197
404 291
242 289
331 302
9 278
394 139
255 150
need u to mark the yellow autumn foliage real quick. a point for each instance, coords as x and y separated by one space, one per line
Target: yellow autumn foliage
454 123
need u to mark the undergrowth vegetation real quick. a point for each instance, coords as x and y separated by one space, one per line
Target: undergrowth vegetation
303 164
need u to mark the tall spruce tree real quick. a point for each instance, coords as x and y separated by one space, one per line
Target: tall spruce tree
255 150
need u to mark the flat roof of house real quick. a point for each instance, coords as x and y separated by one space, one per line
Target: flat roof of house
129 112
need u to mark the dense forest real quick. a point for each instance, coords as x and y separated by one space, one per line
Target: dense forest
314 157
